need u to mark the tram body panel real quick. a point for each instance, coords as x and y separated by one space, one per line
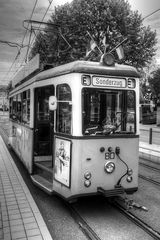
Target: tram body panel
68 147
108 180
86 157
21 140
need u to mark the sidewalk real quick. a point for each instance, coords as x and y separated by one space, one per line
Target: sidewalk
147 127
19 216
150 151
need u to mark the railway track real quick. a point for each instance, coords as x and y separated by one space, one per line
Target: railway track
148 178
150 167
138 222
92 235
84 226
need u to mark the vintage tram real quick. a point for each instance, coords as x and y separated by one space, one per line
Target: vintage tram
75 127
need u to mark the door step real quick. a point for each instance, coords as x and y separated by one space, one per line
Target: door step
44 169
42 183
42 158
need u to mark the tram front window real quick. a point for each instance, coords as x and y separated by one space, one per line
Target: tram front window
108 111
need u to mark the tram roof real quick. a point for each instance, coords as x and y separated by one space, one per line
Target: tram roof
90 68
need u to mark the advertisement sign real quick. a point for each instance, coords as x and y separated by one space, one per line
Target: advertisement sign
62 161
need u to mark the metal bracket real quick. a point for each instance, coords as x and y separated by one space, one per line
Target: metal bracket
130 204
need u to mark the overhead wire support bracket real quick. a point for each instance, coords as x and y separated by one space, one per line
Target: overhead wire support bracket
34 22
56 28
12 44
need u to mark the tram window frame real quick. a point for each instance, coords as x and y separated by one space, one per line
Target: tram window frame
124 120
14 107
43 94
26 107
19 107
18 112
10 107
64 109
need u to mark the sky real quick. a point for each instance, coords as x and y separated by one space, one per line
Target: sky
14 12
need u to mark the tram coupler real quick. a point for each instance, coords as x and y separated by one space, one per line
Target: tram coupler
129 204
112 192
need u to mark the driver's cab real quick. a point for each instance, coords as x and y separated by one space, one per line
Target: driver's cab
108 111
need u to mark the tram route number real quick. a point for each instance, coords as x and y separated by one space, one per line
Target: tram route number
109 155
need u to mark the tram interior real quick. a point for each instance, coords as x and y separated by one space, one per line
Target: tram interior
43 135
44 126
108 112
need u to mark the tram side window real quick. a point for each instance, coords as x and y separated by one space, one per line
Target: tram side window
64 109
42 103
26 107
10 107
131 115
14 108
19 107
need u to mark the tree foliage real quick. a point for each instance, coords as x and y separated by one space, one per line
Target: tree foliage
154 83
113 18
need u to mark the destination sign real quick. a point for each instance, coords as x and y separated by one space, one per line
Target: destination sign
109 82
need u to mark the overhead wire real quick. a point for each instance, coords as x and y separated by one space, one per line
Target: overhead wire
21 46
150 14
28 23
11 44
50 2
16 57
5 77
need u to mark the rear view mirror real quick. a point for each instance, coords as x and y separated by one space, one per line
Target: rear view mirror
52 103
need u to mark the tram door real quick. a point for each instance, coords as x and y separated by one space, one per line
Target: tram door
43 130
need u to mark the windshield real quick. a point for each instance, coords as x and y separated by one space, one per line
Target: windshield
108 111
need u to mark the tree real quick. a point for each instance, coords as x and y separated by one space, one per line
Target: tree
154 84
113 19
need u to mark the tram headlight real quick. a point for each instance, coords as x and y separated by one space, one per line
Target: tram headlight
87 175
130 172
109 167
87 183
129 179
108 59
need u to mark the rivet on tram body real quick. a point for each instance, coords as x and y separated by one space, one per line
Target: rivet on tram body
102 149
110 149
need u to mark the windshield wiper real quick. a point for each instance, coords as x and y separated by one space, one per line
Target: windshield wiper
114 128
93 130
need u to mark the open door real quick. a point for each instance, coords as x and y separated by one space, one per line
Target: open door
43 133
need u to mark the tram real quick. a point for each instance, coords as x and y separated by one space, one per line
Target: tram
75 127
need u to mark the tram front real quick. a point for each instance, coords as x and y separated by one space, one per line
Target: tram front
104 144
110 132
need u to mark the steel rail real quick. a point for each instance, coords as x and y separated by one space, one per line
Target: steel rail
150 167
149 180
84 226
153 233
